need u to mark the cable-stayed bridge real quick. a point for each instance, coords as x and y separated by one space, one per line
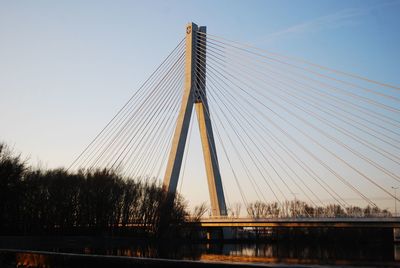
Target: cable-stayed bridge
273 128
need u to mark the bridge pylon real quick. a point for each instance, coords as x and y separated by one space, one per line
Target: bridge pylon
195 94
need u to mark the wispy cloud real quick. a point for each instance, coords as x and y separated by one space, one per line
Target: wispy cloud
335 20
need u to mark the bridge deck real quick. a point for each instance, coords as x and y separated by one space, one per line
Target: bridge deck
303 222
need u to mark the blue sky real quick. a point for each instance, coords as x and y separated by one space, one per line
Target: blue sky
67 67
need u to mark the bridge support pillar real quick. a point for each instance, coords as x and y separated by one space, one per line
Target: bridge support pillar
223 233
195 93
396 234
228 233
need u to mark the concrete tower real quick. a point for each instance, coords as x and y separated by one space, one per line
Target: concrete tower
195 94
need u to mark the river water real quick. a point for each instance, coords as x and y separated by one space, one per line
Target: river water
272 252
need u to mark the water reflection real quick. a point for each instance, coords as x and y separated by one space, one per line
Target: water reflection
301 253
287 253
31 260
397 252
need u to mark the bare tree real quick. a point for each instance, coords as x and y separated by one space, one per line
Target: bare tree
236 208
199 211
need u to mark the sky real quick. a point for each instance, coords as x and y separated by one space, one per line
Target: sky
66 67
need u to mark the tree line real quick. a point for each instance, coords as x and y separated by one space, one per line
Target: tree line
100 201
34 201
301 209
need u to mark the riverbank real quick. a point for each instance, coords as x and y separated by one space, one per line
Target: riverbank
12 258
274 253
24 258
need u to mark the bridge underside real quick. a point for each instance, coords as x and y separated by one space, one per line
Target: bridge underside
304 223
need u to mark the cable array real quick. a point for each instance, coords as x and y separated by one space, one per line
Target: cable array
136 141
288 128
285 128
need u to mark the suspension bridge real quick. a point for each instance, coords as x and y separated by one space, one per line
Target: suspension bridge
273 128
